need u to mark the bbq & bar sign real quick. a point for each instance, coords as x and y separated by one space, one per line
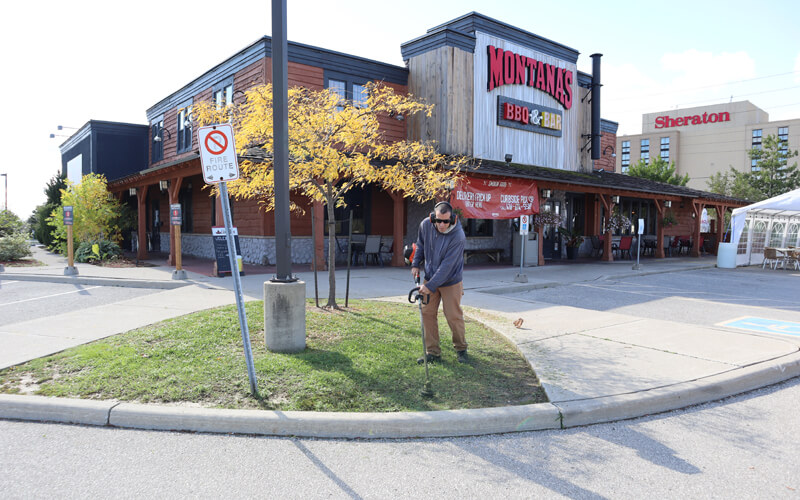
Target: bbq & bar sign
495 198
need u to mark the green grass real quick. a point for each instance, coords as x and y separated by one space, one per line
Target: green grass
357 360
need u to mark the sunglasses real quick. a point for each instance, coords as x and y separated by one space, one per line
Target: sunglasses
441 221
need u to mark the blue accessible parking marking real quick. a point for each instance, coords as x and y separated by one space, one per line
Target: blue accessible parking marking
765 325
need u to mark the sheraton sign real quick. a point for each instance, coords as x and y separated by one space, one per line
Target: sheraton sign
682 121
508 68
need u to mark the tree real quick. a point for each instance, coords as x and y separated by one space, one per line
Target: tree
38 219
773 175
95 212
334 145
657 170
733 183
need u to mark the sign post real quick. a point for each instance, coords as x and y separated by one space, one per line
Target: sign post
524 227
69 217
176 218
639 232
220 165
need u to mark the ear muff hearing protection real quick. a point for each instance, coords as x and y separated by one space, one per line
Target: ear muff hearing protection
448 207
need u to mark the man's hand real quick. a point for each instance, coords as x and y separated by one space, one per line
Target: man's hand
415 272
424 290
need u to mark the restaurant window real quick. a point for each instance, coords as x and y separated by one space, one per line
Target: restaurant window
626 156
356 199
157 141
477 227
184 128
223 93
665 149
348 88
645 150
755 144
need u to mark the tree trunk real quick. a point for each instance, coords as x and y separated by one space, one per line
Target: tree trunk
331 257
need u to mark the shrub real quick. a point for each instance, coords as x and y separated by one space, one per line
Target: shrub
97 251
14 247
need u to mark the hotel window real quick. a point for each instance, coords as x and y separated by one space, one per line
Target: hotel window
756 144
157 148
477 227
645 150
185 128
783 140
625 160
665 149
348 88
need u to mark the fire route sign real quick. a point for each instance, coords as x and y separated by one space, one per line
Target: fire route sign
218 153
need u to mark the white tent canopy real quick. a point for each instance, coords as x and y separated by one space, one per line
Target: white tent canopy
785 205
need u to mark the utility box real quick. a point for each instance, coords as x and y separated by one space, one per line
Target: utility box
531 249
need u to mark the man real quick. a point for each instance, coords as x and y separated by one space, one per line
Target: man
440 244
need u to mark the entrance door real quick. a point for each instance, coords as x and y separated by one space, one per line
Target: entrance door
551 242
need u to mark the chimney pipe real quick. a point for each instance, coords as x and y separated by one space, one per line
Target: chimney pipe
596 134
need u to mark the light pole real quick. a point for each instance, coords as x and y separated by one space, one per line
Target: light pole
5 191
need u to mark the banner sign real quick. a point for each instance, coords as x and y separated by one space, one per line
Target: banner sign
496 198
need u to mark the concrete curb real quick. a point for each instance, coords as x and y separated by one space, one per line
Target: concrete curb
77 280
44 409
448 423
339 425
681 395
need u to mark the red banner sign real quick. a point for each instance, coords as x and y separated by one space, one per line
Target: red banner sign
497 198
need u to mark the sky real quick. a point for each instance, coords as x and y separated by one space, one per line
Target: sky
67 62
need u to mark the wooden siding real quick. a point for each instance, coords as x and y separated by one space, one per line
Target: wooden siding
443 77
493 142
302 75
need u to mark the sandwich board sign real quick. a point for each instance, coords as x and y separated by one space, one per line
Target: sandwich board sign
218 153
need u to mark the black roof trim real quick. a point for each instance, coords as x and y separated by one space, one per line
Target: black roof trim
299 53
433 40
475 21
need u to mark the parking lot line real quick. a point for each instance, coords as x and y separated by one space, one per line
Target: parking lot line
48 296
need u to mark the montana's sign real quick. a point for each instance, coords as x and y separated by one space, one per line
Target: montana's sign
509 68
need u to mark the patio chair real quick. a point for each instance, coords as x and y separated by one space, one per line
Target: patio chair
771 257
597 246
792 259
386 247
625 246
372 247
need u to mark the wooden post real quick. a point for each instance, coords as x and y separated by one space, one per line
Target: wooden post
177 230
70 248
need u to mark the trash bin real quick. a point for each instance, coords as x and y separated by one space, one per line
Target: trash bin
726 255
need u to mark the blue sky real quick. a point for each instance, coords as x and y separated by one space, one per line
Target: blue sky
65 63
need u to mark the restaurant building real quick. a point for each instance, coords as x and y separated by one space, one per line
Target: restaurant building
705 140
511 100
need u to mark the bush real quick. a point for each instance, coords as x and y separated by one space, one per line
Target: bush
97 251
14 247
42 231
10 224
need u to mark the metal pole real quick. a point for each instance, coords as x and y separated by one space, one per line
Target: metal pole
5 191
349 253
314 255
237 287
280 130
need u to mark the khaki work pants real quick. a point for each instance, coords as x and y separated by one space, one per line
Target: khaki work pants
450 298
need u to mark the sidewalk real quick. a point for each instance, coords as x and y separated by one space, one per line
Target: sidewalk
595 366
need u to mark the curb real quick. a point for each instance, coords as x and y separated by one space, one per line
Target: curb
77 280
448 423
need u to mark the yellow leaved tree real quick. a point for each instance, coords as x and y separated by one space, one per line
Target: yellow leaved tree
334 145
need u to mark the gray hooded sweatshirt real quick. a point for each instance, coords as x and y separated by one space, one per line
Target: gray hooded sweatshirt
443 254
